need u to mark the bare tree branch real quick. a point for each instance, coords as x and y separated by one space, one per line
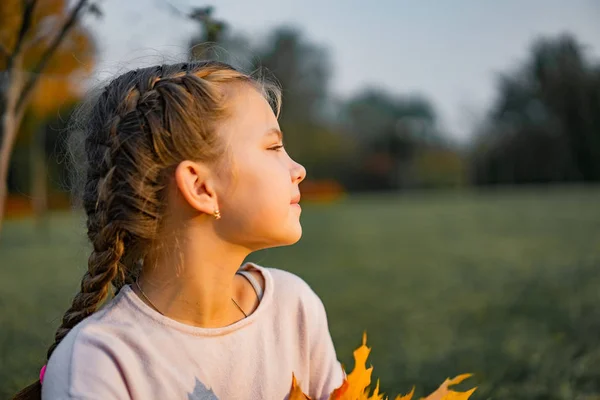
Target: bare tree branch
34 41
25 25
4 50
174 9
40 35
200 14
34 75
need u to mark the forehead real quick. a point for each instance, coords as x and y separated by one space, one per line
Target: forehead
251 116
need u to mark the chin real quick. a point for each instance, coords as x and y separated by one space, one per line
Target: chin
292 236
297 237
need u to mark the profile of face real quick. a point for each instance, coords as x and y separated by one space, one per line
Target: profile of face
257 209
256 195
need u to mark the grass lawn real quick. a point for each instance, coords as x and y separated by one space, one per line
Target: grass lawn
504 284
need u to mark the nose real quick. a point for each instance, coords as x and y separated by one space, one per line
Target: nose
298 172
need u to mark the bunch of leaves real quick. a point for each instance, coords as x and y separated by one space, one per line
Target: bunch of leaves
356 385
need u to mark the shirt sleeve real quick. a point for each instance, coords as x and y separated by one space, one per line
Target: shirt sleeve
326 373
84 368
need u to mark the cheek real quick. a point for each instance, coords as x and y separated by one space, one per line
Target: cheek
257 215
262 190
266 174
268 193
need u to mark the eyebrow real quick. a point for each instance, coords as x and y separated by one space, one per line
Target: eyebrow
275 131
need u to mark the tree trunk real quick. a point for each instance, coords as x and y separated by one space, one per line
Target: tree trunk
9 134
39 179
10 120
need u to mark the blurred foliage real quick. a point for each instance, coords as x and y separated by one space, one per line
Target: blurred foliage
545 123
51 135
63 79
211 32
543 127
401 145
57 77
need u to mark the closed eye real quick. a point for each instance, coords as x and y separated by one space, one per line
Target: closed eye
277 148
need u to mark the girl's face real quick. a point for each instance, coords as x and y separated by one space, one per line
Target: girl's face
257 205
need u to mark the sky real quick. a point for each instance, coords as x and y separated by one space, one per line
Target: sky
451 52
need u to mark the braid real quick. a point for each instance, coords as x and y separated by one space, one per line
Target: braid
106 231
103 267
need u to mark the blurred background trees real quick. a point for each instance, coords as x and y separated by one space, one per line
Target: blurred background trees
542 128
545 124
372 141
45 56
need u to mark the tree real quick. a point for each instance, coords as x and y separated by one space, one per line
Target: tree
43 47
391 129
545 124
211 32
303 70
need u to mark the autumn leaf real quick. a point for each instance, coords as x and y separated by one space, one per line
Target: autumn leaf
340 392
406 396
356 385
359 379
443 393
296 392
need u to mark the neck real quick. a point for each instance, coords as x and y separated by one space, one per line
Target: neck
199 291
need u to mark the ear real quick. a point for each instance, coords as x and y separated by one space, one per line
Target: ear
194 182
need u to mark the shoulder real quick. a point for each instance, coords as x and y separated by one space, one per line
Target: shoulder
285 283
92 355
290 291
289 280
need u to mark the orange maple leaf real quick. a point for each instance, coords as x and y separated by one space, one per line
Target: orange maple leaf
359 379
356 385
295 392
443 393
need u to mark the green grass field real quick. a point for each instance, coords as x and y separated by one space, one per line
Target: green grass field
504 284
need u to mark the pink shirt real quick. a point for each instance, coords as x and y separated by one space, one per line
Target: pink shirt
129 351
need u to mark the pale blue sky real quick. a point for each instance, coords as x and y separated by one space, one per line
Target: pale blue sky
450 51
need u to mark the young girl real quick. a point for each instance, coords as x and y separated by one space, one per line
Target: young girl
186 176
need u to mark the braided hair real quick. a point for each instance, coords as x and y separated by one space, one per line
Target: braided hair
143 124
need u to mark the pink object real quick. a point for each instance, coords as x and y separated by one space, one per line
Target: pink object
42 372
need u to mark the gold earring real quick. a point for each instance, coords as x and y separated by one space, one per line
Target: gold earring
217 214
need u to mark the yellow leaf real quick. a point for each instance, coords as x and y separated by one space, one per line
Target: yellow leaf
339 393
407 396
444 393
360 377
375 395
356 385
295 392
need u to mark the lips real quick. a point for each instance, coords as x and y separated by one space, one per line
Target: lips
296 200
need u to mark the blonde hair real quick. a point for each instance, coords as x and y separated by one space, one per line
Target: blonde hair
143 124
